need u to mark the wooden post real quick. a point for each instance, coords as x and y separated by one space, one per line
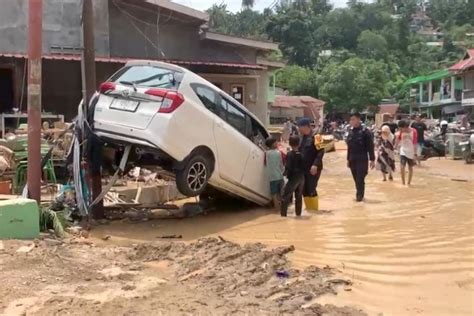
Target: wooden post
35 49
89 88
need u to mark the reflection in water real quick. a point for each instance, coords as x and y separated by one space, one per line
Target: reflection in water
409 251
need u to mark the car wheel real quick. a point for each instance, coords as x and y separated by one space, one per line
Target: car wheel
192 179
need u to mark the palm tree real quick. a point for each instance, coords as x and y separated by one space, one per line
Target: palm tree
248 3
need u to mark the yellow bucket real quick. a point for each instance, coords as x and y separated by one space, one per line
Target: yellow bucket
312 204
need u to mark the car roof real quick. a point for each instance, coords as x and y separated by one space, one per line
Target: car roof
156 64
174 67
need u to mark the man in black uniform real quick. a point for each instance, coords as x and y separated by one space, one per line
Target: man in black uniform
360 148
312 150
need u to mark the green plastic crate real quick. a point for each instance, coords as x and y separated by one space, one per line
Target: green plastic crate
19 219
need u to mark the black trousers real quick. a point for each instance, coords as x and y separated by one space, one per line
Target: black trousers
311 184
359 169
295 185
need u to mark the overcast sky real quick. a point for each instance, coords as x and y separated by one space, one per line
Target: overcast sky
235 5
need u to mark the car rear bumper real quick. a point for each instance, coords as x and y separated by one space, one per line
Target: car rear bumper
121 139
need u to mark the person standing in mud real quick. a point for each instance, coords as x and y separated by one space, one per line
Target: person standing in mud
312 150
360 149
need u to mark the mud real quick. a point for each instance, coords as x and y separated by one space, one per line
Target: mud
407 250
209 276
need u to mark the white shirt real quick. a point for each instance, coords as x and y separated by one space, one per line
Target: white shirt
407 144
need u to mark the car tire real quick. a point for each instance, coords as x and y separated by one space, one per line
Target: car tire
192 179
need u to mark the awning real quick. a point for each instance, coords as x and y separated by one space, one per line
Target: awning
438 75
123 60
433 76
450 109
415 80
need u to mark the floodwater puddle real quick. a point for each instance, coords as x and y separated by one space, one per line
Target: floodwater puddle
408 251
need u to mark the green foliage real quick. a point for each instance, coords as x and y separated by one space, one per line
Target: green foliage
353 85
353 57
458 12
372 45
298 80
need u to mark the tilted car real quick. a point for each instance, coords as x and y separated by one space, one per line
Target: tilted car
199 132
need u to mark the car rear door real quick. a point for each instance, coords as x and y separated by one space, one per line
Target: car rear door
233 148
134 96
255 177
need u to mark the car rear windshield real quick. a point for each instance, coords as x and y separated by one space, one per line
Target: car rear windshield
148 76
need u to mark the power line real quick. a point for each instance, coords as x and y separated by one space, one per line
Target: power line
131 18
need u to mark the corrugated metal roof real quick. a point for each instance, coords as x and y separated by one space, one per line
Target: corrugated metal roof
123 60
466 63
389 108
284 101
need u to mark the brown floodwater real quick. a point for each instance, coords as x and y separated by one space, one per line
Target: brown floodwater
409 251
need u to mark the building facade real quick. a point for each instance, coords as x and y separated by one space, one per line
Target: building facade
125 30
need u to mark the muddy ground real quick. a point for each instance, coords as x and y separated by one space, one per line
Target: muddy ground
208 276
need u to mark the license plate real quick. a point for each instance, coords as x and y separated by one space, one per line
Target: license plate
124 105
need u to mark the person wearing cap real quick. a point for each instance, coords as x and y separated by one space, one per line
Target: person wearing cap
360 149
312 150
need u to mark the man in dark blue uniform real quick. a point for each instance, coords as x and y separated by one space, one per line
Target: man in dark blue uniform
360 149
312 150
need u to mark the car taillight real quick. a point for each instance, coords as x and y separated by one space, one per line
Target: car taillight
106 87
171 99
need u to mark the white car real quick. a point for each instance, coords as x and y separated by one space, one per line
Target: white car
198 131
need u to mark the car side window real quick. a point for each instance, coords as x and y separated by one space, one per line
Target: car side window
258 134
234 116
208 97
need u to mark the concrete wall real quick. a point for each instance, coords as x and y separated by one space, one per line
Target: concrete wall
134 33
62 85
131 33
61 25
16 65
293 113
255 90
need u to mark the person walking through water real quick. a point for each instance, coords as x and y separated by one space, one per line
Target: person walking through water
274 167
386 153
407 140
312 150
294 171
360 149
421 128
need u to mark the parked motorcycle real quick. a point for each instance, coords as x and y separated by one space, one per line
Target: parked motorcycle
467 148
434 147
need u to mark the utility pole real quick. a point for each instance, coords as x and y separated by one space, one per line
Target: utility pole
89 88
35 49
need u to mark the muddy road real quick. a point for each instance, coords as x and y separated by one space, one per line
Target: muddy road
409 251
406 251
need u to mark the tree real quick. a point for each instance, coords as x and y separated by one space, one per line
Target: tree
353 85
247 4
337 54
219 18
298 80
340 29
294 30
372 45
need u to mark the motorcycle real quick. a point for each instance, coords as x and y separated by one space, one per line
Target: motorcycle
434 147
467 147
